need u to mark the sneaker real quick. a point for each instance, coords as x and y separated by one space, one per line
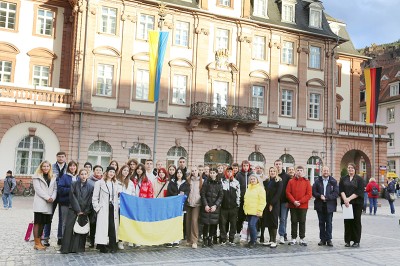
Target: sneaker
303 242
120 245
273 245
130 244
232 244
175 245
292 242
168 245
282 240
46 242
59 242
251 245
285 237
194 245
223 243
267 244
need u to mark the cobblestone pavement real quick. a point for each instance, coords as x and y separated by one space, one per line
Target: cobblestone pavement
380 245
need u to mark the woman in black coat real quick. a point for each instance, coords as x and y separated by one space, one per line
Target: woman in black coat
211 199
273 187
80 197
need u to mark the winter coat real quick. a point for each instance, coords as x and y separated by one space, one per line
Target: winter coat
391 188
57 172
298 189
231 190
355 186
143 188
123 189
254 199
101 200
369 187
173 189
43 192
273 189
285 180
158 186
63 188
331 194
211 195
9 185
194 199
243 178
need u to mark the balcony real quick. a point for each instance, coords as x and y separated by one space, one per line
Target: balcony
360 129
228 117
42 96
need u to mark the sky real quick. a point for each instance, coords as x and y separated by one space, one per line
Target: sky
368 21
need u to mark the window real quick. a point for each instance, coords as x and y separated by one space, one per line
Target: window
391 166
179 89
182 33
222 39
224 3
315 101
362 96
5 71
287 101
140 151
257 158
287 53
30 152
8 13
315 18
146 23
390 114
339 75
142 85
100 152
174 154
220 89
363 167
258 98
260 8
44 23
287 12
105 74
391 139
363 117
259 47
394 89
214 157
315 57
109 20
41 76
287 161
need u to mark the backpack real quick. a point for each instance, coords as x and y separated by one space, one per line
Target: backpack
374 191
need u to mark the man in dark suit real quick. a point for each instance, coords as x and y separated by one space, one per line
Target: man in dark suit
325 191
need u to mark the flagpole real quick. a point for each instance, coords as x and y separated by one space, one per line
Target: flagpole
161 13
373 150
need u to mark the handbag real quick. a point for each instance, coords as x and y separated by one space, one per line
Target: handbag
29 232
81 230
392 196
244 234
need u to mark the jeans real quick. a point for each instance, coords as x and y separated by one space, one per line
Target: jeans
283 219
391 204
373 202
7 200
252 225
325 225
365 201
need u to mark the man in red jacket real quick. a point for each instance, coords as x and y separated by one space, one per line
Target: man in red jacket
298 193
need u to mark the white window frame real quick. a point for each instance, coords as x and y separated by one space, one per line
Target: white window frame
43 79
109 20
179 89
146 23
391 140
217 86
390 114
315 57
260 8
287 102
140 151
102 151
31 167
5 76
315 20
287 53
226 3
391 166
43 21
221 39
9 14
314 106
174 153
363 117
142 84
182 33
105 80
288 12
259 44
394 89
257 101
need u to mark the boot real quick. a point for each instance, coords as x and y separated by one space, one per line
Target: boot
204 242
210 241
38 244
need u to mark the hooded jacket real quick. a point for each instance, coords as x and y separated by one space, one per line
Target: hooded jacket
231 191
254 199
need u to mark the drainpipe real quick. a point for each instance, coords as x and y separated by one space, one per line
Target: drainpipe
333 103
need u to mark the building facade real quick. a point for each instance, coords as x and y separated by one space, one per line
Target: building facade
254 80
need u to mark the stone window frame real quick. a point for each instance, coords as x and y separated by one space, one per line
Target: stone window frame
295 54
145 38
180 66
140 61
291 3
390 118
260 78
391 143
30 151
317 11
105 150
117 20
265 47
291 86
17 13
189 33
216 28
41 57
321 57
108 56
35 18
8 52
97 66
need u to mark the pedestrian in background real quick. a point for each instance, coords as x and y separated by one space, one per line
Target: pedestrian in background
45 187
390 193
8 188
351 189
372 190
325 190
193 207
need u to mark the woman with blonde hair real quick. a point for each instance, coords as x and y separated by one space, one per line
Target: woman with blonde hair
45 193
373 193
193 204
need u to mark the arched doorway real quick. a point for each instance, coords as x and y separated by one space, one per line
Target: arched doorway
361 160
314 164
287 161
214 157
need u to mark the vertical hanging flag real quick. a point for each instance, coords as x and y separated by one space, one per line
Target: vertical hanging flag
157 45
372 87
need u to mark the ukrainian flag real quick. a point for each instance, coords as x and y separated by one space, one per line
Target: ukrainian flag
151 221
157 46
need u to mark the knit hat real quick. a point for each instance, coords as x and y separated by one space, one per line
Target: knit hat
109 168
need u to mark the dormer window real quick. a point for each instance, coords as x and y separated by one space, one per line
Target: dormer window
260 8
315 16
288 10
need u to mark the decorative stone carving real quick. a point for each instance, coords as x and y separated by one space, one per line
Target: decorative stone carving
32 131
221 58
169 25
243 38
199 30
178 142
257 148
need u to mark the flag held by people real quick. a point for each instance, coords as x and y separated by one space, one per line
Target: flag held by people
372 87
157 45
151 221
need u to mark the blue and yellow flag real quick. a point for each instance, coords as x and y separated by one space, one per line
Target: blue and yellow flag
151 221
157 45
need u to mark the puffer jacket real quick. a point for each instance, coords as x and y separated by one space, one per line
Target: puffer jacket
298 189
231 190
254 199
143 188
369 187
211 195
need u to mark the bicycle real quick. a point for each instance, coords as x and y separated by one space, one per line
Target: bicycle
30 191
19 189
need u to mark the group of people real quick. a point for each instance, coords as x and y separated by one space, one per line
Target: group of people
232 198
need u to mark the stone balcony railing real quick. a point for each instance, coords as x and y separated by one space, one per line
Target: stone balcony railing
354 128
43 96
228 112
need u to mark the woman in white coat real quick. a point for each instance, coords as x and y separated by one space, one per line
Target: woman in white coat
105 203
45 193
